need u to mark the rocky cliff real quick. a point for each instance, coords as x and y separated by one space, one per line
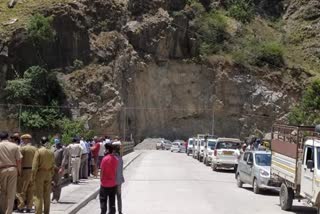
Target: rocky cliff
144 75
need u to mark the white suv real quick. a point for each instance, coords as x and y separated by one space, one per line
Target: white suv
190 146
225 153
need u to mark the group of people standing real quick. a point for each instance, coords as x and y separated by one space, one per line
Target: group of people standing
25 174
30 171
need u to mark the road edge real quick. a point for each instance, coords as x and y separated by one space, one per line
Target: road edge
74 209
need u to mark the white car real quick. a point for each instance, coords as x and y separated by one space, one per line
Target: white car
190 146
225 153
177 146
208 151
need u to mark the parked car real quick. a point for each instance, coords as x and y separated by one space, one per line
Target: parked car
160 145
178 146
254 169
225 153
167 144
208 151
190 146
196 147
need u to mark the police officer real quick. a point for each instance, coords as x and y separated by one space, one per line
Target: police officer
43 169
25 184
75 151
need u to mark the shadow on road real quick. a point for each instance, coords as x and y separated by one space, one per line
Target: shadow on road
303 210
67 202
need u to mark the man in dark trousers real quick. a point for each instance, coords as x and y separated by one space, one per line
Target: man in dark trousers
119 175
108 188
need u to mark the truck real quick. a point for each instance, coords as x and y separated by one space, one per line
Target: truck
295 164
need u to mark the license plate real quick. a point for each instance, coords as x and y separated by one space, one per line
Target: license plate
228 153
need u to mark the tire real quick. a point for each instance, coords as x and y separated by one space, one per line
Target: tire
239 182
286 197
255 185
318 210
214 167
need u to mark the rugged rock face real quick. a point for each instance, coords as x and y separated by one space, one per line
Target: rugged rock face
139 77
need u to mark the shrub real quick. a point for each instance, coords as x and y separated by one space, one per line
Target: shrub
211 29
242 10
72 128
40 30
269 53
307 112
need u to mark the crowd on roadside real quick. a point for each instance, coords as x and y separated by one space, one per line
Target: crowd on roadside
30 171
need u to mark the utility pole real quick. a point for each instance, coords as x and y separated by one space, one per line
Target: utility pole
212 131
20 106
124 122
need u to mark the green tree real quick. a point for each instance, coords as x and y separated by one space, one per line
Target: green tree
73 128
307 112
211 28
40 30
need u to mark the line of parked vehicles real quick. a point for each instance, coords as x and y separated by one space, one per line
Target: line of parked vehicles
291 165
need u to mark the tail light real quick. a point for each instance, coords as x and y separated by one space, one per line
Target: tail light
215 152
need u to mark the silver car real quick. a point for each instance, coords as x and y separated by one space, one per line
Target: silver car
177 146
254 169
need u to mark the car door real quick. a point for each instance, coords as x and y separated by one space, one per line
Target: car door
242 167
249 170
307 174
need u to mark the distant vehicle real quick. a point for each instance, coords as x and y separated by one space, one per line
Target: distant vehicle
178 146
167 144
225 153
160 145
254 169
296 164
190 146
208 151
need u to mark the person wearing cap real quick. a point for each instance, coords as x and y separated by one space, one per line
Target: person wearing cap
75 151
119 174
25 184
10 168
61 160
95 155
108 181
43 169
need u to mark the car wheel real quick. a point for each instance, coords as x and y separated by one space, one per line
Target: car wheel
256 188
205 161
239 182
214 167
286 197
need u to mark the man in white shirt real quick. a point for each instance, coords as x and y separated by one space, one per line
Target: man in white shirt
101 151
84 160
75 151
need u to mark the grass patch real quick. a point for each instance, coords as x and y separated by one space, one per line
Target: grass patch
22 12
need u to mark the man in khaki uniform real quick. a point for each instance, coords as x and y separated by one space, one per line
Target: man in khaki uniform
75 151
25 184
10 168
43 169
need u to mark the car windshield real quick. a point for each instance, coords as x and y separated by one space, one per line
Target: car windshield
211 144
190 142
263 159
228 145
175 144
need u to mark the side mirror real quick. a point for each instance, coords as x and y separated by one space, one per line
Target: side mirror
250 163
310 164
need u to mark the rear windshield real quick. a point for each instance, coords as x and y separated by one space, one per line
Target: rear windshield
263 159
228 145
190 142
211 144
175 144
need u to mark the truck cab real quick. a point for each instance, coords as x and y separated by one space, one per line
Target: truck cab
296 164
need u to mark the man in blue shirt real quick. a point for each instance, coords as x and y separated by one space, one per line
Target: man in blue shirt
119 173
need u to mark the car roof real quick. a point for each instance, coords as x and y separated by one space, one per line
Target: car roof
230 139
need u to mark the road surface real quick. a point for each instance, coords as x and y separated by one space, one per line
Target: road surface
161 182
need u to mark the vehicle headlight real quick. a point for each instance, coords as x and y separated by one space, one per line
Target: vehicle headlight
264 173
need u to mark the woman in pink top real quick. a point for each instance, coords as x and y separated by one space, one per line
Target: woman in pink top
108 188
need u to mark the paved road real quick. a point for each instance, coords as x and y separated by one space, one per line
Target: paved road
161 182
